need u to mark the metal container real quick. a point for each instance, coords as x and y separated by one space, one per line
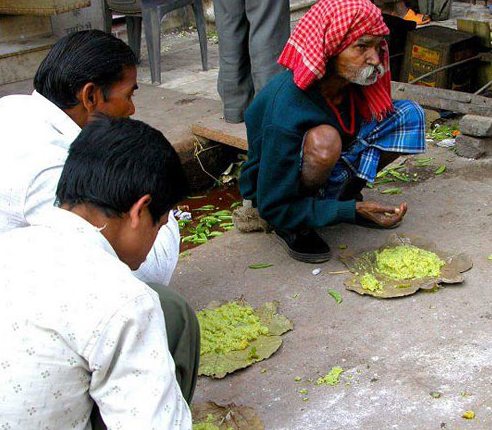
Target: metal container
432 47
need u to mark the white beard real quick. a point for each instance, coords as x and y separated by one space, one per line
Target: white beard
368 75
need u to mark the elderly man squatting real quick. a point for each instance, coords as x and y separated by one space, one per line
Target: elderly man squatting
318 131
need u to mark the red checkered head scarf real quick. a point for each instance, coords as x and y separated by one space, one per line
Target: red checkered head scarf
327 29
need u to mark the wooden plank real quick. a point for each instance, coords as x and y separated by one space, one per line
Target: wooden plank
438 98
215 128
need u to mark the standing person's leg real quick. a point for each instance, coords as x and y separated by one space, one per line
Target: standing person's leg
183 337
235 85
269 22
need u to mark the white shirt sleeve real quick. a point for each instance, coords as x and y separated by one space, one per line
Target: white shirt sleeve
159 266
133 374
163 257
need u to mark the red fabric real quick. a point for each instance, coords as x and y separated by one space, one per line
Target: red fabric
326 30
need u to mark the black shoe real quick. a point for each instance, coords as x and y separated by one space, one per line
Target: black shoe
304 245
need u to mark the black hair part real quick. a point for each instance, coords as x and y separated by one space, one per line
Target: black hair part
79 58
115 162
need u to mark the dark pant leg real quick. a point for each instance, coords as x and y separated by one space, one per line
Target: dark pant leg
269 30
235 85
183 337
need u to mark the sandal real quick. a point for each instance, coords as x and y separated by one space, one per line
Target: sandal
419 18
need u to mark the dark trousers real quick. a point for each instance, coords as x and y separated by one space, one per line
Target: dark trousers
183 336
252 35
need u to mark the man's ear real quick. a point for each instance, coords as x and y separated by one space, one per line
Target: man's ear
138 209
91 96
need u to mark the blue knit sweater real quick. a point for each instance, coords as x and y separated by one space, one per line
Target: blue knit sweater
276 123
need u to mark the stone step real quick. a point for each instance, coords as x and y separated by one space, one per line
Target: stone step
20 59
23 27
215 128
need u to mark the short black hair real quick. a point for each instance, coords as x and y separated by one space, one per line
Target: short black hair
79 58
115 162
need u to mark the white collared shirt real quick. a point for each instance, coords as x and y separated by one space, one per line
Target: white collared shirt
34 139
76 325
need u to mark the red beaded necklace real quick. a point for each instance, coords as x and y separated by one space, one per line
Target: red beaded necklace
350 130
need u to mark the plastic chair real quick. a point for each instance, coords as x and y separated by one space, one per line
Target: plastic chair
152 12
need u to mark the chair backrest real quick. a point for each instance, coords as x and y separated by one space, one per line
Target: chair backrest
40 7
125 6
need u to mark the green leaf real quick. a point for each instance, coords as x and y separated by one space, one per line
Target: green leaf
226 224
336 295
235 205
188 238
399 176
277 324
394 190
215 234
206 208
218 366
440 170
260 266
224 212
424 161
195 197
185 254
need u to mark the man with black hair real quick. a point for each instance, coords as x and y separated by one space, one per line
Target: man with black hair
85 73
77 327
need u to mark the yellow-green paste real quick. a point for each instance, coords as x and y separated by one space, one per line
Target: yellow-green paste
369 282
408 262
333 378
228 328
205 426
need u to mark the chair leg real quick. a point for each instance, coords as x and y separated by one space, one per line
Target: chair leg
202 31
107 17
152 27
134 30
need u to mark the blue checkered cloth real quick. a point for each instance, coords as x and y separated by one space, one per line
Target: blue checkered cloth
402 131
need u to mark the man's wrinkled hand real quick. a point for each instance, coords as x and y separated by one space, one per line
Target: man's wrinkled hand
382 215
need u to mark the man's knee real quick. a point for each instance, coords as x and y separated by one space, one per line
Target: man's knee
178 314
323 145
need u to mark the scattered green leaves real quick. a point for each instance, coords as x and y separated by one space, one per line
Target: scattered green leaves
206 208
260 266
440 170
423 161
336 295
298 379
435 394
391 191
441 132
235 205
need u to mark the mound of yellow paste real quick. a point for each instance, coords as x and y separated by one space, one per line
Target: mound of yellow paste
228 328
408 262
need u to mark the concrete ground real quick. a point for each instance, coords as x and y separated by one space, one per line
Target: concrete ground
394 352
